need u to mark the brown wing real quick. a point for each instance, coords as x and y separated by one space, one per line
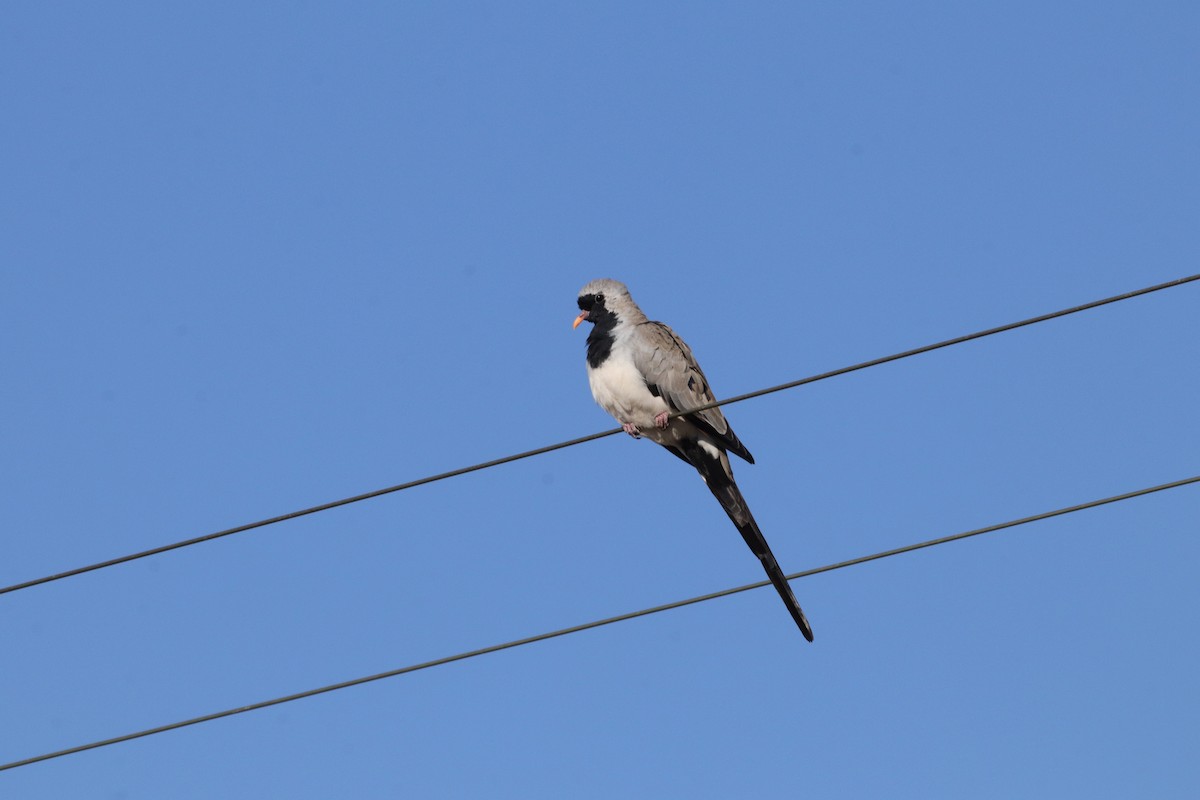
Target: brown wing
671 372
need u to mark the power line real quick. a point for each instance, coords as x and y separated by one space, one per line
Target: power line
596 624
112 562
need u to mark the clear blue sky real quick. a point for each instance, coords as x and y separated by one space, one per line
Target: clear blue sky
260 256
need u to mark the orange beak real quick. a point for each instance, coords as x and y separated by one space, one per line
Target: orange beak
578 320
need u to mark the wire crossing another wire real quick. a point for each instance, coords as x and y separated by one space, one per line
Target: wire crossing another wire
112 562
596 624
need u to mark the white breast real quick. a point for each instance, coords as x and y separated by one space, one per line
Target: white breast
621 390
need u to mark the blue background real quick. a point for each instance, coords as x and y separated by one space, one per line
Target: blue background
260 256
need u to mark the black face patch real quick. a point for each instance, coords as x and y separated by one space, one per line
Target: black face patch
589 301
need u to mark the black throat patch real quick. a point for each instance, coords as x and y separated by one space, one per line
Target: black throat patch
600 340
599 346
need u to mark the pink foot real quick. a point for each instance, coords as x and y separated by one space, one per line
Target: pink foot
660 421
631 429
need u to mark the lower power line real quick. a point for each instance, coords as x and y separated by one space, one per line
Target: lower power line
596 624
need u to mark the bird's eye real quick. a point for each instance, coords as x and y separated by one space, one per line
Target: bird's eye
600 299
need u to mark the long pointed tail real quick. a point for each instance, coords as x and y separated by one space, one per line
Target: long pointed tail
730 498
758 545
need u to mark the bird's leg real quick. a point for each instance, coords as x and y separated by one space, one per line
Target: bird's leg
660 420
631 429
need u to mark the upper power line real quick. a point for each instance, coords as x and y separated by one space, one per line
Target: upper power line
112 562
589 625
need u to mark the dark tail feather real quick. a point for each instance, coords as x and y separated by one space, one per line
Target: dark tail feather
730 498
758 544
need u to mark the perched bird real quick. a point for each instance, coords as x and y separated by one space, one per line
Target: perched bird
641 372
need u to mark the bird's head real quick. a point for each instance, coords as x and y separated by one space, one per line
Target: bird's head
605 302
